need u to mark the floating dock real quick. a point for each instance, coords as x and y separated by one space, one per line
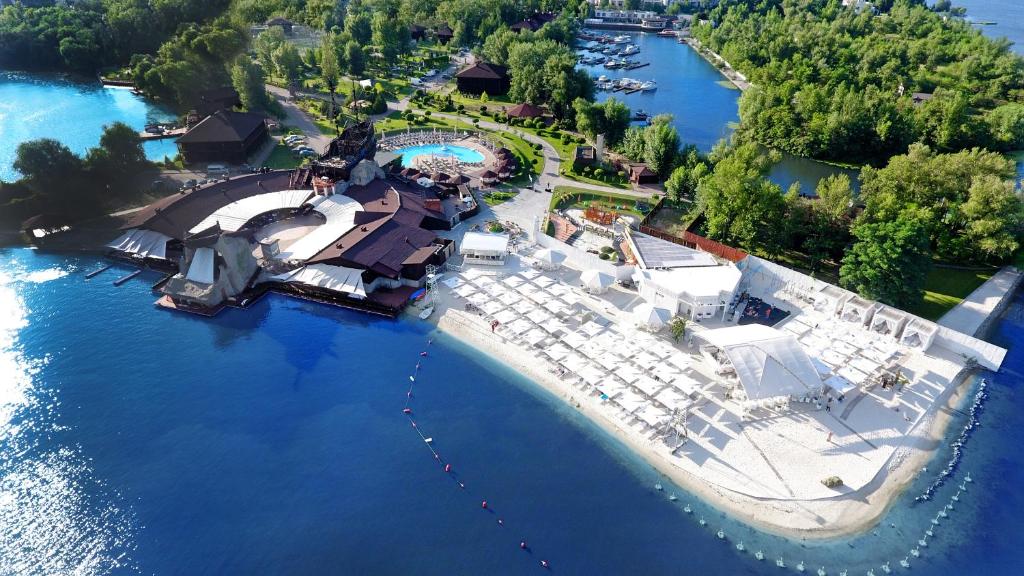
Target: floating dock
124 279
95 273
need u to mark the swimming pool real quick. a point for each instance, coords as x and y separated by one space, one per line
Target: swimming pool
460 153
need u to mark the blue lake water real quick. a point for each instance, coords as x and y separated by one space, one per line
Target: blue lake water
71 110
270 441
1007 17
461 153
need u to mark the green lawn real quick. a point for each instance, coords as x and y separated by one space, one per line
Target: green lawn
282 158
565 197
945 288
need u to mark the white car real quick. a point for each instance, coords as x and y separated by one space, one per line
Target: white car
415 82
292 139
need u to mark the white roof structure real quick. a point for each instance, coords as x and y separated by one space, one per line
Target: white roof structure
695 283
202 266
596 281
483 243
233 216
145 243
769 362
337 278
340 217
650 317
654 252
830 299
858 310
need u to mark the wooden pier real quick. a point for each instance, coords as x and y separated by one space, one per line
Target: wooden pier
96 273
124 279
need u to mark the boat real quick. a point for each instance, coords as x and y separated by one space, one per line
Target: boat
885 568
612 64
759 555
426 312
915 552
621 39
667 32
740 546
687 509
429 439
800 566
631 49
658 487
602 78
672 498
780 563
703 522
649 85
905 562
720 534
821 571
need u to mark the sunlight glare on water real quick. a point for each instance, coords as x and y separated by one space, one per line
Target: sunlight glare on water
51 520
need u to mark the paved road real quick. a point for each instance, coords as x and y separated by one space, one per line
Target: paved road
296 118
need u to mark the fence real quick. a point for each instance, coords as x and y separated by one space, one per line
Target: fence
691 240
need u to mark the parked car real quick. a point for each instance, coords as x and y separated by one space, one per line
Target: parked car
293 138
308 153
190 183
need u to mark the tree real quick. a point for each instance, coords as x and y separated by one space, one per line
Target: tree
357 25
266 43
1006 124
661 145
355 58
740 206
889 261
330 71
247 78
120 154
835 196
47 166
389 36
616 120
287 62
993 213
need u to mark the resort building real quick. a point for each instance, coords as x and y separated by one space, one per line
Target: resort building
483 77
484 248
224 136
364 242
444 34
686 282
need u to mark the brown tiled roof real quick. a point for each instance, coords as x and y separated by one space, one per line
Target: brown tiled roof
525 110
484 70
224 126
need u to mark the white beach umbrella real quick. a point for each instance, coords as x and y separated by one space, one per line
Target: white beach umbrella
549 259
650 317
595 281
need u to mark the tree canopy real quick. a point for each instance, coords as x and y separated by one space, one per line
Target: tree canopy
889 261
840 83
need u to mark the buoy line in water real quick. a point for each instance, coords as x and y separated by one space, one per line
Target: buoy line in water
446 466
958 444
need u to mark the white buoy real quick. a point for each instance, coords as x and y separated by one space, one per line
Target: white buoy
759 555
780 563
842 572
821 571
800 566
687 509
740 546
949 506
929 533
956 497
943 514
915 552
871 572
885 568
702 522
922 543
905 562
968 477
721 535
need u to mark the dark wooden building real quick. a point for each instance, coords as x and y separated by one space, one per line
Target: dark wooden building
224 98
483 77
444 34
224 136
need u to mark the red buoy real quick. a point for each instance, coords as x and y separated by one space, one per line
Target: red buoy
522 544
447 467
406 410
483 504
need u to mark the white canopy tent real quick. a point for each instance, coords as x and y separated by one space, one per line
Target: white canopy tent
650 317
144 243
549 259
888 321
336 278
919 333
595 281
769 362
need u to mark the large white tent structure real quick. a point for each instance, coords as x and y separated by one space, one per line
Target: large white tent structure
769 363
337 278
595 281
143 243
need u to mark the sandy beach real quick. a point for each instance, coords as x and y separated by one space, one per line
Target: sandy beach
822 519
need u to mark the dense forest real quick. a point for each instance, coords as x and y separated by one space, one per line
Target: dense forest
838 83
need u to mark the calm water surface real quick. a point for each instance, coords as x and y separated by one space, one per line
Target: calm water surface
271 441
1007 16
71 110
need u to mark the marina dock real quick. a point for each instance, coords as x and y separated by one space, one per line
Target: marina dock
174 133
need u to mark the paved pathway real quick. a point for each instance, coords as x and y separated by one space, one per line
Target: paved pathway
970 315
296 118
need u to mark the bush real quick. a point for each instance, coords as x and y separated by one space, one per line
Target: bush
603 256
427 113
607 249
496 227
461 108
621 174
483 109
832 481
538 147
599 173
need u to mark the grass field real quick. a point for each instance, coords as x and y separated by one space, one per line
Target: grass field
282 158
565 197
945 288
